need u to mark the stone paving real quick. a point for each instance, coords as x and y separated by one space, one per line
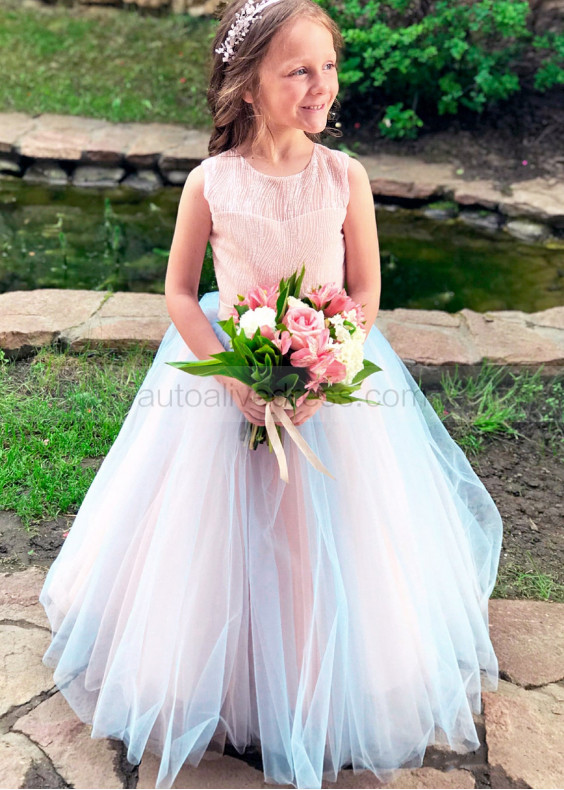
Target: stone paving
521 727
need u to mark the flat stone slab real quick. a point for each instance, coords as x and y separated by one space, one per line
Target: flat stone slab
57 137
124 319
214 770
21 760
512 340
226 772
528 639
525 734
23 674
31 319
407 177
19 597
83 762
13 127
79 138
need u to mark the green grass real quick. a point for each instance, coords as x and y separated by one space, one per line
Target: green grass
494 402
119 67
65 408
516 582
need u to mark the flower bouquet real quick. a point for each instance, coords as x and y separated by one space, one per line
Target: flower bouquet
289 348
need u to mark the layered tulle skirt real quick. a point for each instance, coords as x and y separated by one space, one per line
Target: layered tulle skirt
330 622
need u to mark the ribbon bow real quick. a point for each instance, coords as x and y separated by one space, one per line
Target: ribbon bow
275 409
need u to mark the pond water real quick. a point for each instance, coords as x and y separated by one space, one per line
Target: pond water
119 239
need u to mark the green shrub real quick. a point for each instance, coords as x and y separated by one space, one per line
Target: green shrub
456 55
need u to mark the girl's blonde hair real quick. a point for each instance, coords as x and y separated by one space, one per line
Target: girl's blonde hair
234 120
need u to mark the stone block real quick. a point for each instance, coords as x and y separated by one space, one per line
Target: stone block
508 341
58 137
429 346
23 673
528 639
525 734
84 762
35 318
19 596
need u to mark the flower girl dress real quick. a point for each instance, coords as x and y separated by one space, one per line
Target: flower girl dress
329 621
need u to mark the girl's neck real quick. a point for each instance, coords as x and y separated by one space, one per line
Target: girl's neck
282 153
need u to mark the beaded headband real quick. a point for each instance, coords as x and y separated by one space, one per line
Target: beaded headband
240 27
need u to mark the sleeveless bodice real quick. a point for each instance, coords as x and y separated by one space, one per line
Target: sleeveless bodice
265 227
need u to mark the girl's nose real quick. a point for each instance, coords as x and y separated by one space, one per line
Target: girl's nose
321 82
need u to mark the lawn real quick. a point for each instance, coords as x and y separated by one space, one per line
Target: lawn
101 63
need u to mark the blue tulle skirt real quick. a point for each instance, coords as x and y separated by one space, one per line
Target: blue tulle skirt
330 622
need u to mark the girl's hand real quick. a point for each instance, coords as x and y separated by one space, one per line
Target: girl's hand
306 410
250 405
243 397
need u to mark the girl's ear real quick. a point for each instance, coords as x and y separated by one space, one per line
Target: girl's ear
248 97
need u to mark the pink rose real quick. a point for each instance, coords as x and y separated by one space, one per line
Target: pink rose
303 323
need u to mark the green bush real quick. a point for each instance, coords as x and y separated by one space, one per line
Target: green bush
455 55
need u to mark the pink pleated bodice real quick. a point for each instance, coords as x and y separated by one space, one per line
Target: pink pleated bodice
265 227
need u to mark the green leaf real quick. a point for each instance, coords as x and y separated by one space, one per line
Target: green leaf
229 327
298 282
282 301
368 369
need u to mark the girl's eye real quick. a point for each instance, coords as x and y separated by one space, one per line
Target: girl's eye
332 65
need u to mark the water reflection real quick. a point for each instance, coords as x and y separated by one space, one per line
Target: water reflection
64 237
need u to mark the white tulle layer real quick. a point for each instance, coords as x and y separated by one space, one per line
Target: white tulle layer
330 622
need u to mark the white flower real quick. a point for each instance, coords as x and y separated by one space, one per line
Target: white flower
350 351
293 302
254 319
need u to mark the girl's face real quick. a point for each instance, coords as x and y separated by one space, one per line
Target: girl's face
298 77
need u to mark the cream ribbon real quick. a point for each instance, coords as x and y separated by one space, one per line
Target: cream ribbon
275 409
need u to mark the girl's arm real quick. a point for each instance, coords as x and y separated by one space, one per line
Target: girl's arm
362 256
191 234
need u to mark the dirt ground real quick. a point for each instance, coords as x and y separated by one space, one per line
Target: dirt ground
526 479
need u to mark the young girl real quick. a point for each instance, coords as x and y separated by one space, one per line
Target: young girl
198 599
